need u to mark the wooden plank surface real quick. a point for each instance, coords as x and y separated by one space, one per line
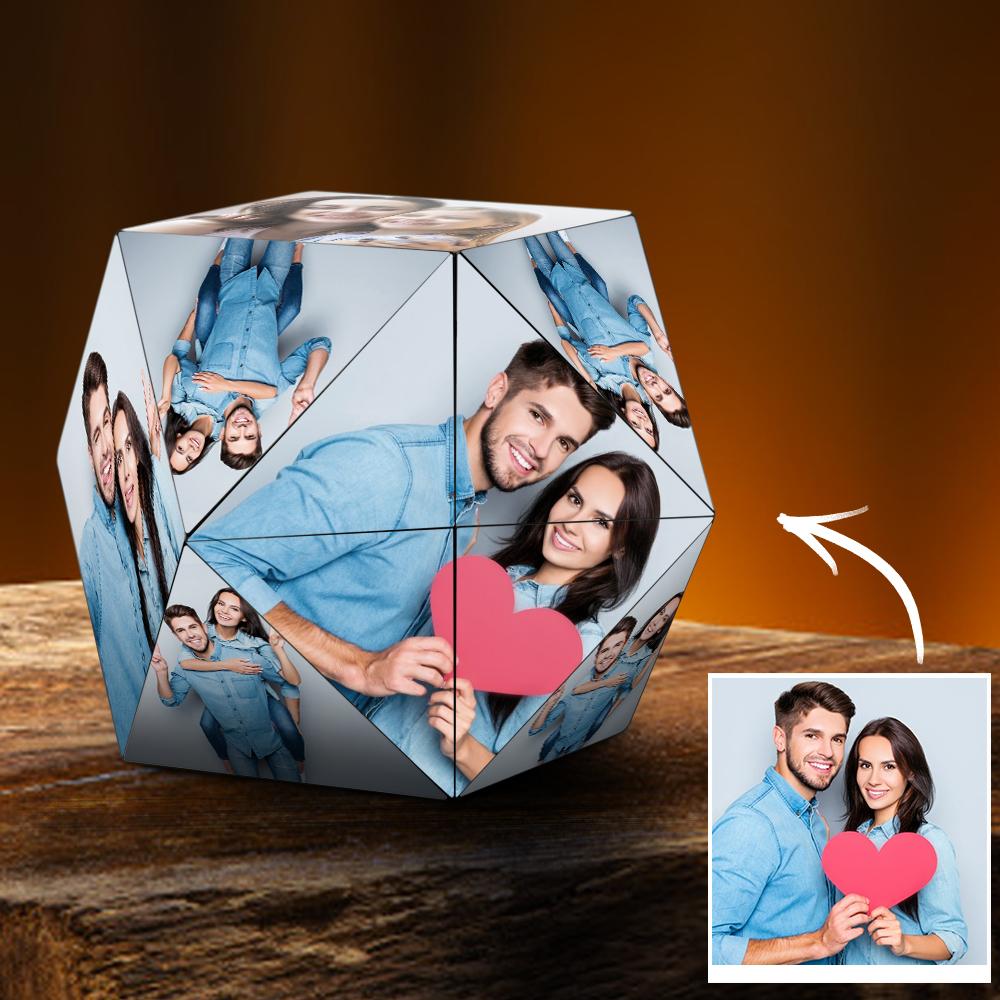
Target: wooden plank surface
584 878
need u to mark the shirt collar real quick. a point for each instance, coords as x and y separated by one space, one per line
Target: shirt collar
889 828
459 485
792 799
544 594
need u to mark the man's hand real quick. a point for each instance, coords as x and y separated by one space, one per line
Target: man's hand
885 931
844 923
398 669
210 381
302 398
240 666
452 716
158 663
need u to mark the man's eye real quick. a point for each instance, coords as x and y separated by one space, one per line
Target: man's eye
536 415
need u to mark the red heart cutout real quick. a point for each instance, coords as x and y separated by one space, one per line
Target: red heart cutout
527 652
905 864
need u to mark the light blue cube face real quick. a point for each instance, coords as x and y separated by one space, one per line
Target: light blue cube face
296 416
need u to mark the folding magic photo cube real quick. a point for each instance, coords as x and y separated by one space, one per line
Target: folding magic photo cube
379 492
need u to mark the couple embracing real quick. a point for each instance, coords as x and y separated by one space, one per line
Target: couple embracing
772 903
355 602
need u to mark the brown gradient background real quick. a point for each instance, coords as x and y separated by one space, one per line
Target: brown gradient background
817 189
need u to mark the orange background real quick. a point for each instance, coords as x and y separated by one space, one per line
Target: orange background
816 186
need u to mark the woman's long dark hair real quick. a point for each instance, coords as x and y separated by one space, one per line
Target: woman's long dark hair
603 586
144 484
176 426
654 641
917 796
251 623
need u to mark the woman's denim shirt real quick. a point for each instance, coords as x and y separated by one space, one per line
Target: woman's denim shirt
767 876
403 718
939 905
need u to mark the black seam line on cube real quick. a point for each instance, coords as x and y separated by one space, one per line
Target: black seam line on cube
516 234
538 333
454 514
333 689
694 541
312 405
646 258
531 326
440 527
145 354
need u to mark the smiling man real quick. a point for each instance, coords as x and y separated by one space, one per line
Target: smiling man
106 564
352 600
771 902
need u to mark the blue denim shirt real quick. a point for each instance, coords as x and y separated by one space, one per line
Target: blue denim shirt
238 701
243 346
243 640
939 905
403 718
350 567
111 588
767 876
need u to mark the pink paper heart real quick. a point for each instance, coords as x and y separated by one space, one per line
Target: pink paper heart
500 650
905 864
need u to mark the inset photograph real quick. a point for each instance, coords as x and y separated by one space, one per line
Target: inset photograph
849 824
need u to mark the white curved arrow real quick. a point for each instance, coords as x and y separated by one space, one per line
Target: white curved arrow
810 530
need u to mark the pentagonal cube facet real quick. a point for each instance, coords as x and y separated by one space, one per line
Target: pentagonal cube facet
379 492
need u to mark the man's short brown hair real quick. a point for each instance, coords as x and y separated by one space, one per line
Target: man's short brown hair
804 697
180 611
95 376
536 364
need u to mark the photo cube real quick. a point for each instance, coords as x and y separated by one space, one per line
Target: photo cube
379 492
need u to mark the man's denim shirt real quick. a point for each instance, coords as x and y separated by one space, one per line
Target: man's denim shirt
939 905
238 701
767 877
111 588
244 640
344 559
243 346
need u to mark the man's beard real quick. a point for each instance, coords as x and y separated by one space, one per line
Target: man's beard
809 780
487 448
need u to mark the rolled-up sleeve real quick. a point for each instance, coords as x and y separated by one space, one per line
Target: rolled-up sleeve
939 903
745 857
294 366
180 686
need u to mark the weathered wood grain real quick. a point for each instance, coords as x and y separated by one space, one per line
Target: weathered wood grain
584 878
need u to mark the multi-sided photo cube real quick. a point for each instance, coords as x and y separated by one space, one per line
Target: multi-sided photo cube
379 492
